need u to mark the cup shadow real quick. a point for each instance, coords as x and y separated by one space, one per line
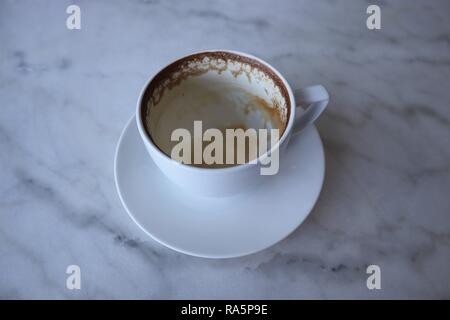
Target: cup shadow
332 180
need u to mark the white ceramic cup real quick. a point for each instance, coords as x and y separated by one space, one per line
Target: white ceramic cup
240 178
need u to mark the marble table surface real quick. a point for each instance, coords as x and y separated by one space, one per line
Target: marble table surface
65 96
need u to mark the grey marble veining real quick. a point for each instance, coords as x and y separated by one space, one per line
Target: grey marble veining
66 95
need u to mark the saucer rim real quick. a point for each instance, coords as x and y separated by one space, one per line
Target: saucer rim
211 256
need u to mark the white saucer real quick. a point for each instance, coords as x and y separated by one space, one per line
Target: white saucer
219 227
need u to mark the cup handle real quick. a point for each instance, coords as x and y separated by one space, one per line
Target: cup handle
315 100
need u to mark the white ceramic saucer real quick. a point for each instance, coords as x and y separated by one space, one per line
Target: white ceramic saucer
219 227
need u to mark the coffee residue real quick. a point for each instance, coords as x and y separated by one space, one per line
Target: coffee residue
198 64
271 112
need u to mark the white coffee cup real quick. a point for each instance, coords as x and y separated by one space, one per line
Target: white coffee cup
240 69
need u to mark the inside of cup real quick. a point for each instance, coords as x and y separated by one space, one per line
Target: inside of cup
223 90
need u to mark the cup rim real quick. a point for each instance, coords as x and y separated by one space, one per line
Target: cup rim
289 125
